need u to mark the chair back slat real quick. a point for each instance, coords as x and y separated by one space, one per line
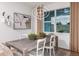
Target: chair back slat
40 45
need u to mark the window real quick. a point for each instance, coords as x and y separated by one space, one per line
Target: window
48 26
62 20
63 12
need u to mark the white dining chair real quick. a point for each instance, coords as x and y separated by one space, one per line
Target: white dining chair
50 45
39 51
5 51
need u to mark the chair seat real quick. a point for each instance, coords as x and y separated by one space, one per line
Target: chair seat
47 45
33 53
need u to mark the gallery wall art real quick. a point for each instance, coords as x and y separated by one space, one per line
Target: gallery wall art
7 19
17 21
21 21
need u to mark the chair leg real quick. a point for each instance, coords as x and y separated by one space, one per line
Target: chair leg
23 54
43 52
50 52
47 50
53 51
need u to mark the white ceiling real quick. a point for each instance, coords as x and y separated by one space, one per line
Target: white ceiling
29 4
33 4
37 3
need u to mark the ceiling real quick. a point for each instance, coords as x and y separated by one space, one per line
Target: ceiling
29 4
33 4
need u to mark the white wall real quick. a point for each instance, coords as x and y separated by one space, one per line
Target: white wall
7 33
63 38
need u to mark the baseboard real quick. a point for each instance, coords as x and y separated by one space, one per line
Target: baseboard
64 49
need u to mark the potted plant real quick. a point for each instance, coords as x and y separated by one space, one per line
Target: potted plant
41 35
32 36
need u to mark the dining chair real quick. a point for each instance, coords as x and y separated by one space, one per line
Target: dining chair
39 51
4 50
51 44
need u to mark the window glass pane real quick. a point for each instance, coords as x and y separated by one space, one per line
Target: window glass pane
51 13
47 19
64 11
48 15
48 27
63 24
52 27
63 20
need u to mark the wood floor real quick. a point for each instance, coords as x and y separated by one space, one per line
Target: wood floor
59 52
63 52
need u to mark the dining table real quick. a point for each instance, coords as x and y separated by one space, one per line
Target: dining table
22 45
25 45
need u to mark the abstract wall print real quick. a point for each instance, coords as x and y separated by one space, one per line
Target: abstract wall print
22 21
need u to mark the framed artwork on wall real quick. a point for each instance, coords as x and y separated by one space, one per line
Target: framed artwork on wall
21 21
7 19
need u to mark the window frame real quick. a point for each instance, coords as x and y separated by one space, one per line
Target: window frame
55 16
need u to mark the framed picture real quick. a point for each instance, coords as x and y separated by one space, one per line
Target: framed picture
7 19
21 21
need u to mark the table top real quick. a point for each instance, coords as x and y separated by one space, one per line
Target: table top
23 44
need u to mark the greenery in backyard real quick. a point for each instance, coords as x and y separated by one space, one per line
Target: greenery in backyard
62 28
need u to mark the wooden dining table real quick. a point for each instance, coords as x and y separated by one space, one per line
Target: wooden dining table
25 45
22 45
